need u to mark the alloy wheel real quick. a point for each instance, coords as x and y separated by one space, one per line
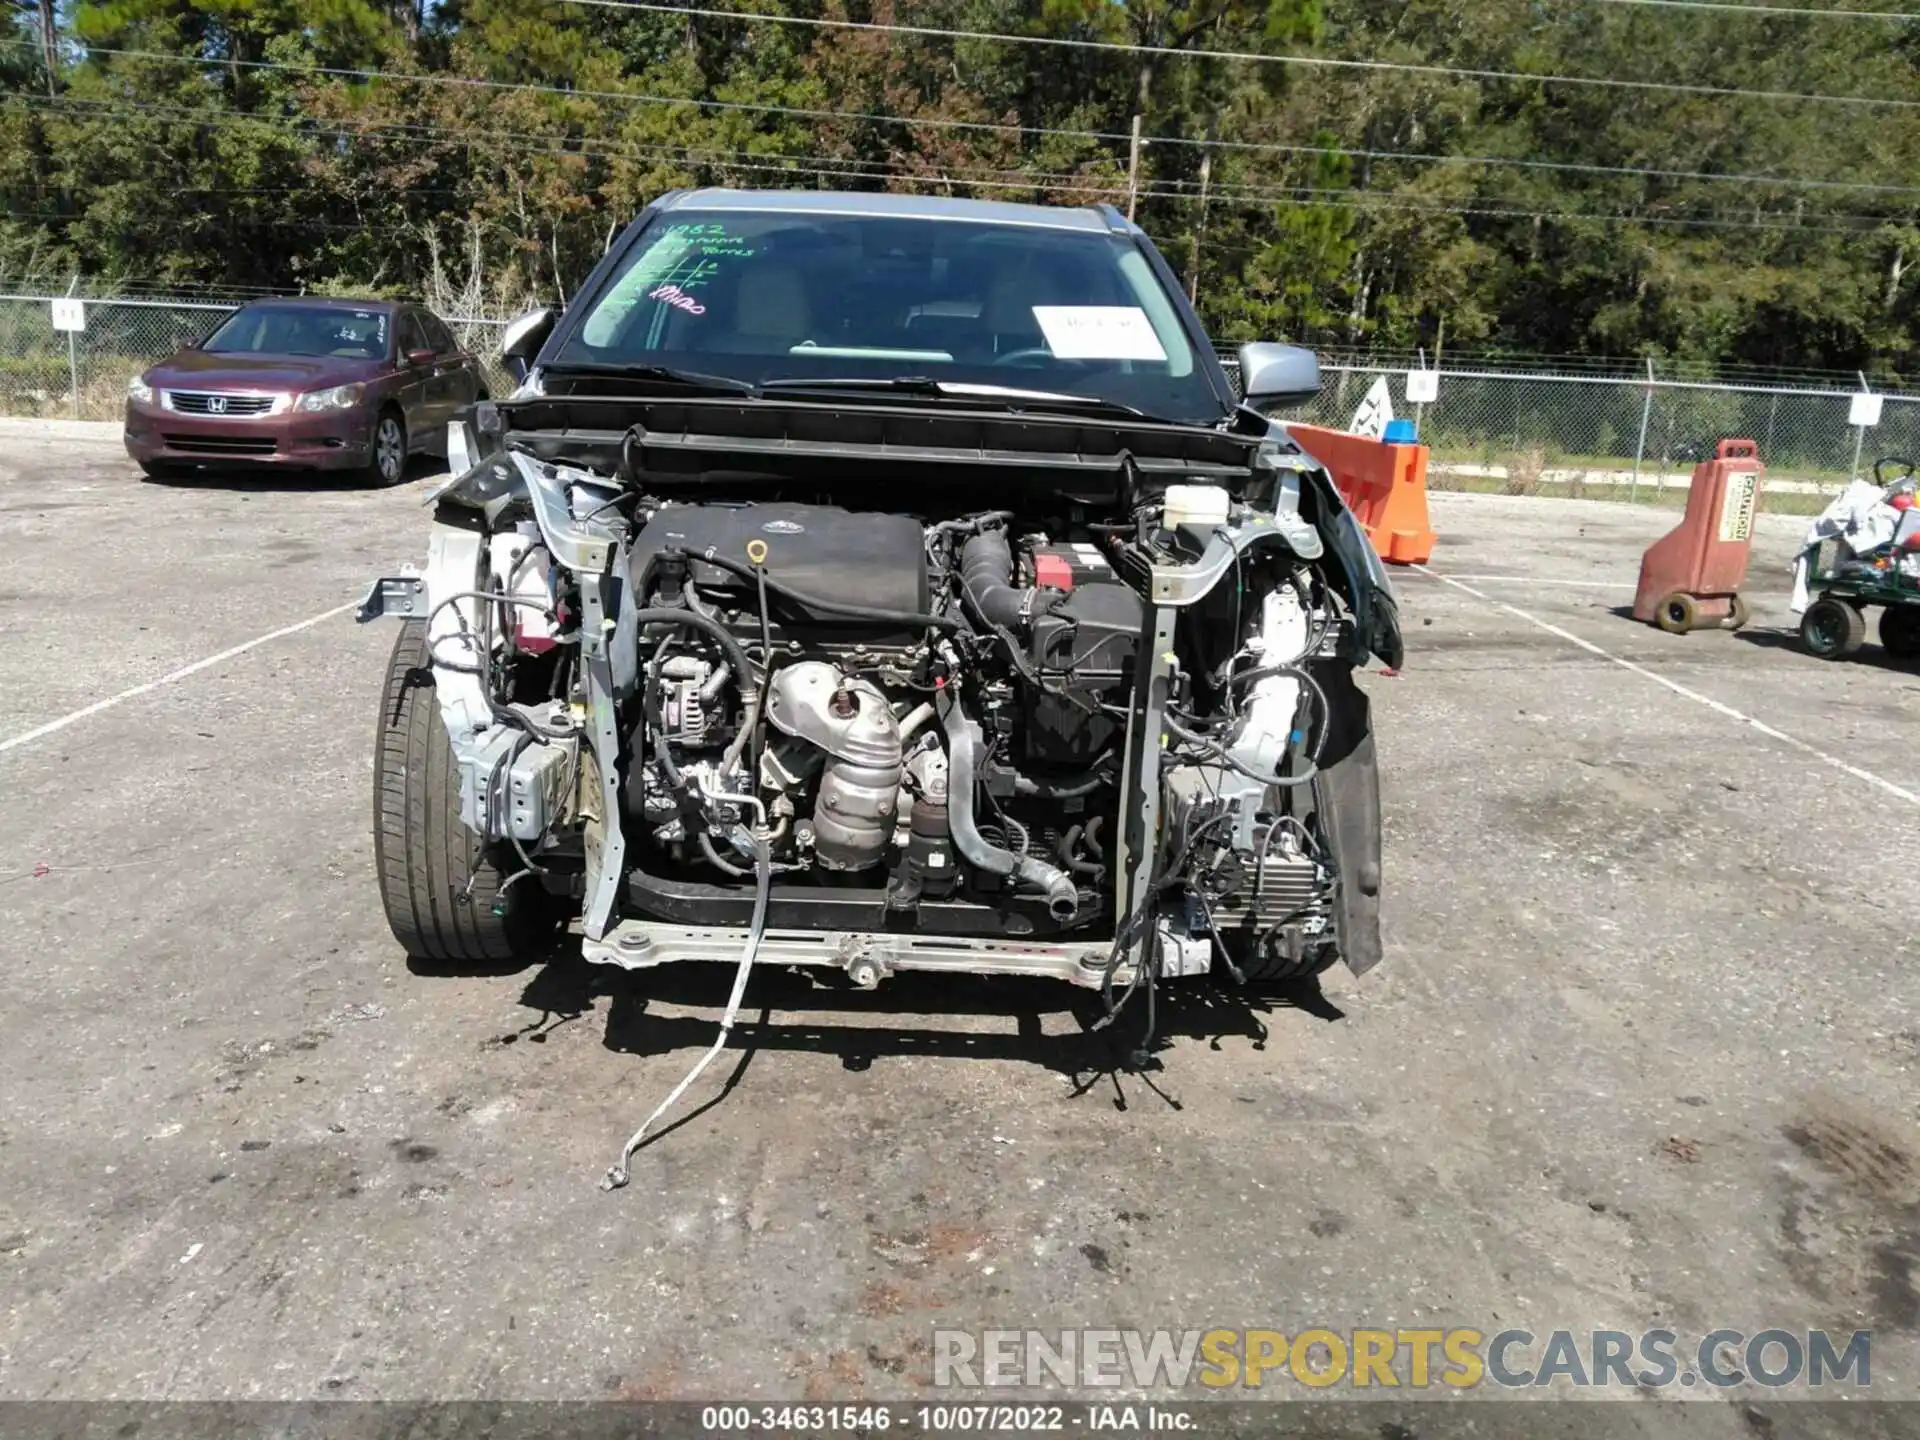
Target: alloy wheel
390 450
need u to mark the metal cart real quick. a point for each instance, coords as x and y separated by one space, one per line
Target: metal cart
1834 626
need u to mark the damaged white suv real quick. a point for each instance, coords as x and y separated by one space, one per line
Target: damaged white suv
886 583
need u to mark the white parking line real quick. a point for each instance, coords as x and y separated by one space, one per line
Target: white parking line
167 679
1694 695
1531 580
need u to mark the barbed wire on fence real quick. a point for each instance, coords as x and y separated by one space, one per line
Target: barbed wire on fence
1488 424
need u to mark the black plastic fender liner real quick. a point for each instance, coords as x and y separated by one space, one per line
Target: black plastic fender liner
1346 797
1376 613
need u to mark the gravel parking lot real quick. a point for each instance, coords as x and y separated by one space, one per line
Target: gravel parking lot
1642 1053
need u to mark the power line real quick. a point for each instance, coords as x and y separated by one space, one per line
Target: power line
511 139
1311 196
1085 185
193 292
1258 57
1764 9
993 127
283 222
817 167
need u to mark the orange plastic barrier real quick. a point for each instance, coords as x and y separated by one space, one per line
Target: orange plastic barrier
1385 485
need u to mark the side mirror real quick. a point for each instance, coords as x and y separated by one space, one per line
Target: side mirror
520 342
1276 375
419 357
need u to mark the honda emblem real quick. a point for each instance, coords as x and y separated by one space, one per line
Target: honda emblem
216 404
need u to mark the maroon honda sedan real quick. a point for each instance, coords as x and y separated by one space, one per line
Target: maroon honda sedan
356 385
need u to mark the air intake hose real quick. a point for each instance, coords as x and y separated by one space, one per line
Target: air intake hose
986 570
963 756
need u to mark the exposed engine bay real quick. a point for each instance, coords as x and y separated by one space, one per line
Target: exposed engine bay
864 724
1102 743
957 740
946 719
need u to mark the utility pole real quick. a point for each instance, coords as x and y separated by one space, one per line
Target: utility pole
1133 168
50 44
1200 229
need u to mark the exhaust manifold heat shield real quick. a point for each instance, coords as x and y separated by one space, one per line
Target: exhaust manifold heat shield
850 721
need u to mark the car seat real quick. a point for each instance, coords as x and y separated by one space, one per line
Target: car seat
771 311
1008 313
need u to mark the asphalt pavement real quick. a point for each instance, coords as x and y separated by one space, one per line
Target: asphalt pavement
1642 1052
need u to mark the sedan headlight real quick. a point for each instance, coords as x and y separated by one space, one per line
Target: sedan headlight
139 389
340 397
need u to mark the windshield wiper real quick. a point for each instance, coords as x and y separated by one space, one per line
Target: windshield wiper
696 378
1016 397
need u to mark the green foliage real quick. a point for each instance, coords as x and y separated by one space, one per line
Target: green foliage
485 152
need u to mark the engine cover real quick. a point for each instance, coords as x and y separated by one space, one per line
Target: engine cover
857 557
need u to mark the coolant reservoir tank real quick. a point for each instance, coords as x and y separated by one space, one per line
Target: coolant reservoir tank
1197 509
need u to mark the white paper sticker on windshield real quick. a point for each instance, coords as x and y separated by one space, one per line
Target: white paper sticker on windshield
1099 332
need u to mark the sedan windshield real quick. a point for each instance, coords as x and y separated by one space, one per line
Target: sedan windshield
302 330
806 297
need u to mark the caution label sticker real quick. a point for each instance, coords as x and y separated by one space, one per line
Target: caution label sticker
1736 509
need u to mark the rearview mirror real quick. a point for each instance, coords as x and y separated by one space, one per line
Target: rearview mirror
1276 375
419 357
520 342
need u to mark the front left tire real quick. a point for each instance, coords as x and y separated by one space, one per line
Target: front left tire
445 892
387 466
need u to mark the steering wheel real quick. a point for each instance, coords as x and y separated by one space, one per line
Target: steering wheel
1908 468
1030 357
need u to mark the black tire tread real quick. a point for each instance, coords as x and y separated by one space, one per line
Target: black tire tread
1900 631
1853 626
424 858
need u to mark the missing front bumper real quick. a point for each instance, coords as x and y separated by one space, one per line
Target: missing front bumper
867 957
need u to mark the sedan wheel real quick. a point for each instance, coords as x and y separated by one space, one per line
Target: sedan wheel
389 451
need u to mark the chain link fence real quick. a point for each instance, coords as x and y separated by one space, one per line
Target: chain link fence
1519 431
1488 428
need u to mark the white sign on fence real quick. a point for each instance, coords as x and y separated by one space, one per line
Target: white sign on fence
1374 412
69 314
1864 409
1423 387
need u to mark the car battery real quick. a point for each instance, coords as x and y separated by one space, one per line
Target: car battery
1069 566
1083 643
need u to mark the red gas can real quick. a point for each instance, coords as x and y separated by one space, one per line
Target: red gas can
1690 578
